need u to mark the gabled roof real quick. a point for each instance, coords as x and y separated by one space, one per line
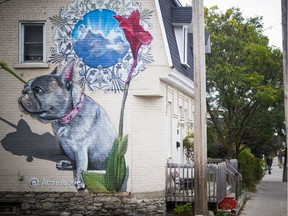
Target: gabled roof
172 11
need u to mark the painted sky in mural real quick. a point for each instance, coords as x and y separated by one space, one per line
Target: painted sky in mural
98 40
87 32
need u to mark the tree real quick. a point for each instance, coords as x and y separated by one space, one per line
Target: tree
215 149
263 132
244 78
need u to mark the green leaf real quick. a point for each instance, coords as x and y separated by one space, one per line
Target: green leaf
122 173
95 182
123 146
116 167
111 171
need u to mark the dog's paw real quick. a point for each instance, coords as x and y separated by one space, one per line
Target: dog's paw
80 186
64 165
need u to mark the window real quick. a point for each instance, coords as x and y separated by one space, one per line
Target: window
32 43
184 45
181 33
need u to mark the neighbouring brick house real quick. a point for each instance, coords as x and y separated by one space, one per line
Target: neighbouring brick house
38 35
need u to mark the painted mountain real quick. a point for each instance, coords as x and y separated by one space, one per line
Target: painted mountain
98 40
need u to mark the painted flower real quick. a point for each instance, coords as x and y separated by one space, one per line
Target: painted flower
134 32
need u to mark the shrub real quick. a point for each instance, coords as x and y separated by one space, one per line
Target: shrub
251 168
246 168
184 209
215 149
220 213
258 168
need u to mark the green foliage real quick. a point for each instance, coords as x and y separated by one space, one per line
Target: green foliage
184 210
115 173
220 213
244 77
188 143
116 168
251 168
95 182
215 149
258 164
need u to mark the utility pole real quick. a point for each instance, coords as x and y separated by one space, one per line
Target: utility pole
200 129
285 73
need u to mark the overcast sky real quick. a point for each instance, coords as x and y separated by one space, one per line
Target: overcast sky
270 10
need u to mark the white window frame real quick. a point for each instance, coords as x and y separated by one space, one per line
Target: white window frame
22 25
181 34
184 45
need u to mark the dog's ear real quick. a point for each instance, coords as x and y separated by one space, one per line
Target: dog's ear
67 74
55 71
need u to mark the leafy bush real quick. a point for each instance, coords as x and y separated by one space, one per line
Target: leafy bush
188 143
220 213
215 149
251 168
184 209
258 168
246 168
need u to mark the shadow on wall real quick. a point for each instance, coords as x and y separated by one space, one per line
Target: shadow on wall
23 142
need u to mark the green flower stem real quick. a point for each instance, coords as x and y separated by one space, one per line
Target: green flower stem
125 94
5 67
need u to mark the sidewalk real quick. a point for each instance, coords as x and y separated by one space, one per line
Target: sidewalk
270 198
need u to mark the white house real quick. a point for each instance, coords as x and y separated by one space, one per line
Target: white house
37 36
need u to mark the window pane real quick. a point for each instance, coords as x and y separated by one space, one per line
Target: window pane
33 33
33 52
33 42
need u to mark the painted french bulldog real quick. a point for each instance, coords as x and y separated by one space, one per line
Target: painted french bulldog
81 126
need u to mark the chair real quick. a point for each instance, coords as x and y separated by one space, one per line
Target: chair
184 184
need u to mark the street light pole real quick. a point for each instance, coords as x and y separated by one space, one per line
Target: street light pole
200 129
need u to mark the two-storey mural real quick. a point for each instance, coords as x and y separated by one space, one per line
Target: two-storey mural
105 95
101 45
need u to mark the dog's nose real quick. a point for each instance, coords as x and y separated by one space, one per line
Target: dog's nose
26 88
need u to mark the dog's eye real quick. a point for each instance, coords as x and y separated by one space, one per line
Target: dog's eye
37 89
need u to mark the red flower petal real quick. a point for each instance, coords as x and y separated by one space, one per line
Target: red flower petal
134 32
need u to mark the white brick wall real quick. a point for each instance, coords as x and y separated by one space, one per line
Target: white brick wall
145 114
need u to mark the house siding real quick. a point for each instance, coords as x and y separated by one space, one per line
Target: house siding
182 15
167 9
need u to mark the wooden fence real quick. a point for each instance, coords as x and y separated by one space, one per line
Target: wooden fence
222 178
